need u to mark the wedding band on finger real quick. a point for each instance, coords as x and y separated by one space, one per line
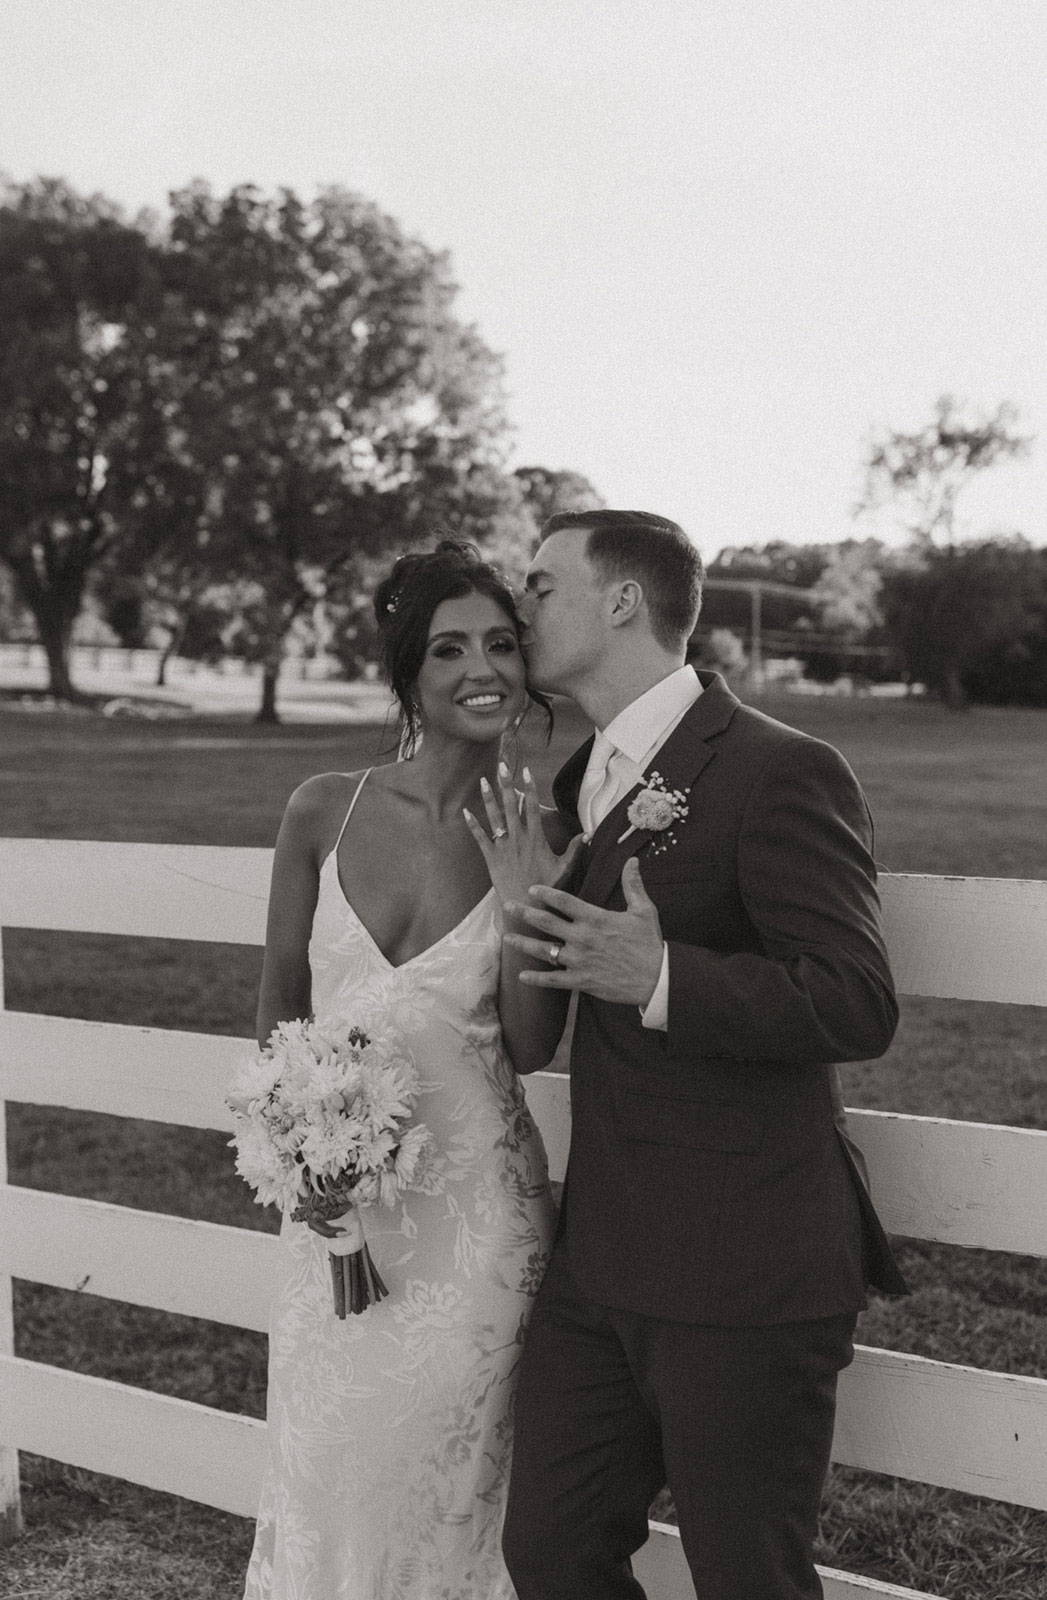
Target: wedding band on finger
554 953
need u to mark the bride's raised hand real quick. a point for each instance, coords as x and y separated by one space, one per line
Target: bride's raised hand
516 850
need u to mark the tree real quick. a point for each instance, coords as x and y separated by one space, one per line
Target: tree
847 590
122 602
547 491
1011 669
721 650
15 621
322 403
946 609
943 601
923 473
73 277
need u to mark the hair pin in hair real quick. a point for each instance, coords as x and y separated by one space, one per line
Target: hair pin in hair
391 605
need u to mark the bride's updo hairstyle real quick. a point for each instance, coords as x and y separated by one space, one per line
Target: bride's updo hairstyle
404 603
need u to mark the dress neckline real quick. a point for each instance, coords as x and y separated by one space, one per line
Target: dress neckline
398 966
394 966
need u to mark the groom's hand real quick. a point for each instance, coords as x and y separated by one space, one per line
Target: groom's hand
612 955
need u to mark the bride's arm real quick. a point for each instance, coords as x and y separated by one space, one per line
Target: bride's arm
284 991
523 851
533 1019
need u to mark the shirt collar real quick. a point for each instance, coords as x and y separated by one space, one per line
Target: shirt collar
644 723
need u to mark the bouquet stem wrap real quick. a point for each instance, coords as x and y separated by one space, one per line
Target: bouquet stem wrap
355 1279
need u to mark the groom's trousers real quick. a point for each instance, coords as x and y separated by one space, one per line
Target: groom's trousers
612 1405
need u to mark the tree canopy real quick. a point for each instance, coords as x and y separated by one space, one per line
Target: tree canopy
946 602
546 492
74 277
321 402
257 396
922 473
970 616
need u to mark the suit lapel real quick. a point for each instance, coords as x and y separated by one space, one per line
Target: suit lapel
568 782
688 749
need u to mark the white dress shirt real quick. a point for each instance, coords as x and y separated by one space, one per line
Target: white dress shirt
637 734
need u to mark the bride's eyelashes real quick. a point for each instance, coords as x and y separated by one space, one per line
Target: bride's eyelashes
506 646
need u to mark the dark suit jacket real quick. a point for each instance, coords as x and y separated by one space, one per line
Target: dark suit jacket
708 1180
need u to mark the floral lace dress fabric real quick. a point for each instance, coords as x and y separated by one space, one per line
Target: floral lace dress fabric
390 1432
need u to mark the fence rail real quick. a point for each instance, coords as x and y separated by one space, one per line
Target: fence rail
963 1183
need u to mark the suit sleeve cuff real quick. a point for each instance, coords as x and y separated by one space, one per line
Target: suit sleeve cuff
656 1012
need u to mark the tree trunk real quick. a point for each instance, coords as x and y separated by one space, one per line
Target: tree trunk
55 606
280 619
55 638
952 687
169 649
267 711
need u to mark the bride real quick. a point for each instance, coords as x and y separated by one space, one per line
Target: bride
390 1431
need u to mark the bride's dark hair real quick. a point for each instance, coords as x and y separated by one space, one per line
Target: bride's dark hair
404 603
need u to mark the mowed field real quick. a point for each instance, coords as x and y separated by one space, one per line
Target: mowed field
950 793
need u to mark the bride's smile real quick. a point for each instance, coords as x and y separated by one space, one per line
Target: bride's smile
471 684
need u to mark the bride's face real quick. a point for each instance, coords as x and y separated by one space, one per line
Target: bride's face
471 684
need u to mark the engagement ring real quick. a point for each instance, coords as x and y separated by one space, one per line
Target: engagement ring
499 833
554 952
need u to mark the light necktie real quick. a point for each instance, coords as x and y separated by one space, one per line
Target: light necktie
599 785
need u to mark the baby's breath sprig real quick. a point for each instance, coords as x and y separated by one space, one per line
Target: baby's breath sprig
656 809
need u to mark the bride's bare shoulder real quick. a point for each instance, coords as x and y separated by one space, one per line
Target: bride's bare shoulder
323 789
318 803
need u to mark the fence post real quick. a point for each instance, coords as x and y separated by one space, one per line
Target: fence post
10 1496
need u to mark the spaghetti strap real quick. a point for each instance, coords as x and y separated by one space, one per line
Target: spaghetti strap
352 805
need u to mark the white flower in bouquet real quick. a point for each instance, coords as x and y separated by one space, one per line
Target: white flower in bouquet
321 1118
263 1166
255 1082
413 1146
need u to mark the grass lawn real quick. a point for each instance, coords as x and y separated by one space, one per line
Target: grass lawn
950 794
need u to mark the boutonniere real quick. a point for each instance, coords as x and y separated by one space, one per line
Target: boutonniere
656 809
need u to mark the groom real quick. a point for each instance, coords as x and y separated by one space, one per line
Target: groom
716 1238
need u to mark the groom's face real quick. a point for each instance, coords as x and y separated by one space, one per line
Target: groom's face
564 613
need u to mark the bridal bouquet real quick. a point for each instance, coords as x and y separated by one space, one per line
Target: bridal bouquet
321 1120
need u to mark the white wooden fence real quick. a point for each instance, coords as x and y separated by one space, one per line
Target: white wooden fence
964 1183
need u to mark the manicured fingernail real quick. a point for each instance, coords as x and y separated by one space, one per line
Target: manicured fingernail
484 785
527 775
503 769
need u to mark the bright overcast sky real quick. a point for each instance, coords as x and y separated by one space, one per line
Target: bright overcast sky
715 241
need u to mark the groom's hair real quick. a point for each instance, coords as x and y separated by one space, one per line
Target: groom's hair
653 551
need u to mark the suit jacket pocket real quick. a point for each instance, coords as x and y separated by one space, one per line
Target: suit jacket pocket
691 1124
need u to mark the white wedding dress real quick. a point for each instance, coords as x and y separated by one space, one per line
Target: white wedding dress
390 1432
